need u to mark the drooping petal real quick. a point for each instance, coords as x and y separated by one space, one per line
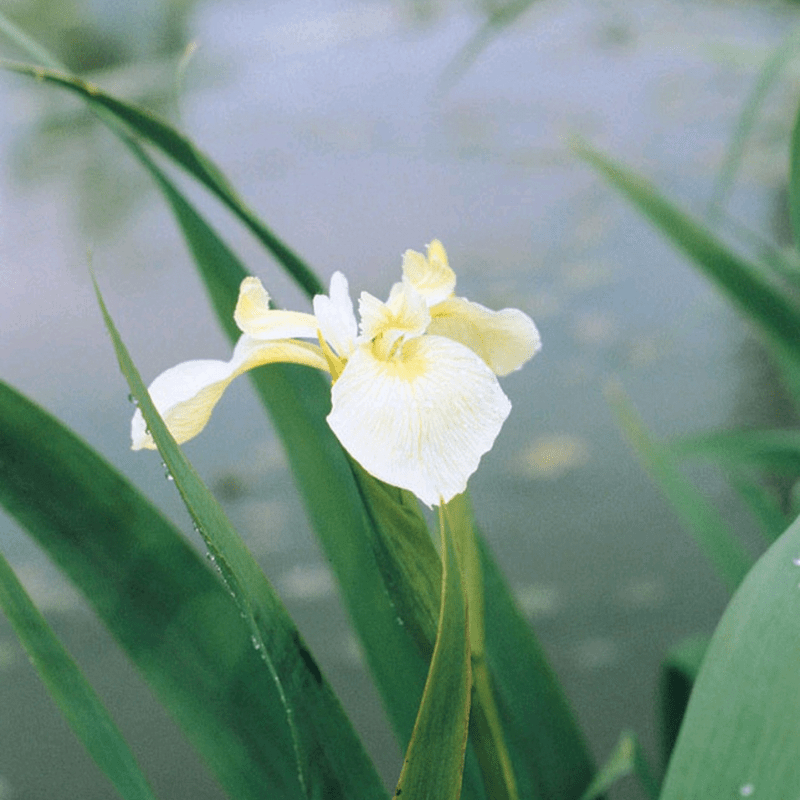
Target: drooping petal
186 394
336 318
421 422
431 276
505 339
255 318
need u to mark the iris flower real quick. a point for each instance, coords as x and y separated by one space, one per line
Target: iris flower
414 395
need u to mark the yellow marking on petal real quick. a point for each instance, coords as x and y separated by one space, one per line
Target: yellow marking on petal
335 364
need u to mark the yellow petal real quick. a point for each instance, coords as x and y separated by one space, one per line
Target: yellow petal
336 318
505 339
431 276
421 422
186 394
255 318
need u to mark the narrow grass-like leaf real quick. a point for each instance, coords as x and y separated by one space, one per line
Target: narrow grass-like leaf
486 727
744 283
329 757
550 756
499 19
741 733
434 759
158 598
298 401
698 516
764 506
187 155
773 451
83 709
626 759
677 676
33 49
794 181
748 116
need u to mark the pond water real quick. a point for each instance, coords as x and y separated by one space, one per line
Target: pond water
332 121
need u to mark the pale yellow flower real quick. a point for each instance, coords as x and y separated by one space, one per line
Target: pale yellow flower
415 397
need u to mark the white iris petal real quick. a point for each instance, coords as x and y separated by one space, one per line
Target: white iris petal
505 339
421 422
414 398
336 318
255 318
431 276
186 394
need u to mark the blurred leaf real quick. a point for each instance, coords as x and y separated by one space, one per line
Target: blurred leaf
774 451
70 690
741 732
763 505
33 49
328 754
499 18
179 148
700 518
794 181
748 116
434 759
626 759
761 302
157 597
677 676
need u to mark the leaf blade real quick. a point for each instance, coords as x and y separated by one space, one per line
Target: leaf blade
72 693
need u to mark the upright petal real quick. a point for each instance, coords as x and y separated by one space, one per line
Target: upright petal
336 318
423 422
505 339
403 314
255 318
431 276
186 394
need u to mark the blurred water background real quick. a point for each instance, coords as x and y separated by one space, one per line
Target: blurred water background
348 128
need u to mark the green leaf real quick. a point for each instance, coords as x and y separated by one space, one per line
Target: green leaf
172 616
27 45
766 306
329 757
549 756
502 17
298 401
70 690
186 154
773 451
794 181
677 676
767 76
698 516
486 727
741 733
434 760
626 759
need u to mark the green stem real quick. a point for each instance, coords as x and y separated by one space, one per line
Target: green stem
487 729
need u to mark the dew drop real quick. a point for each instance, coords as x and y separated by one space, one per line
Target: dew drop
133 400
796 561
746 790
255 642
167 473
